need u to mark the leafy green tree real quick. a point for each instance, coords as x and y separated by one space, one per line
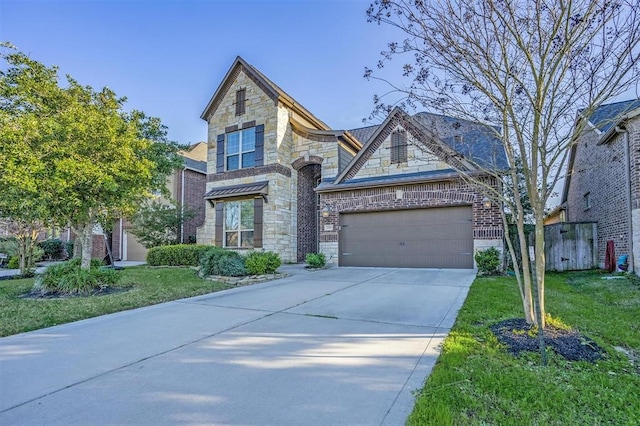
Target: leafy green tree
71 155
158 224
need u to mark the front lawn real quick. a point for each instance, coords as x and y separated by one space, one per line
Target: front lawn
142 286
475 380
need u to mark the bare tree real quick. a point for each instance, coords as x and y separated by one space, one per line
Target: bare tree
526 66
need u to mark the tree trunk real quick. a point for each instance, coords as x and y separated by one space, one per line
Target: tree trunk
77 247
540 268
526 273
86 238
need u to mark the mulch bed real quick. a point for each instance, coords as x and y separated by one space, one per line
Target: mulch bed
517 336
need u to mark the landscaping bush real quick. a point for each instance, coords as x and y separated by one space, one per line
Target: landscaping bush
231 266
488 260
68 248
53 248
316 260
9 246
260 263
177 255
218 261
12 248
14 263
69 278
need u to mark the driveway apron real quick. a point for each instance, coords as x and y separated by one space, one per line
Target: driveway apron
328 347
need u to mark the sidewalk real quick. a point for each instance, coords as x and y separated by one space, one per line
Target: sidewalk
44 265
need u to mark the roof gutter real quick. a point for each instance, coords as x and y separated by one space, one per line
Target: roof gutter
392 182
627 171
615 129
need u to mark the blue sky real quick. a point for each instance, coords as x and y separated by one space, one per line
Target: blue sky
168 57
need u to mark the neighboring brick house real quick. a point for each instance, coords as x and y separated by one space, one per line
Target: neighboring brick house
186 187
280 179
603 178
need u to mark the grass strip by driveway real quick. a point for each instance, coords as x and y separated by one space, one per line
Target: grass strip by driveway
143 286
475 381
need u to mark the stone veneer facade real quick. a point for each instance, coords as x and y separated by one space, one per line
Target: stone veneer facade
296 146
284 153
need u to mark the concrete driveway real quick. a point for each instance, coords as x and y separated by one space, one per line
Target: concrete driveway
337 346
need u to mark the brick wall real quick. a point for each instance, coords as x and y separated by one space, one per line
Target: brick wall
307 210
633 127
599 171
99 247
194 188
487 223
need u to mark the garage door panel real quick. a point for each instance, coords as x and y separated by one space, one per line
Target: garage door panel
431 238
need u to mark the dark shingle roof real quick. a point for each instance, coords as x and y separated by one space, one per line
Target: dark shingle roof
605 117
475 141
398 178
200 166
363 134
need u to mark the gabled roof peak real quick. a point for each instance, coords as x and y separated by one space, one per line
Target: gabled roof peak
268 86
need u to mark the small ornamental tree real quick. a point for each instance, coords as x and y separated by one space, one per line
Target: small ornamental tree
157 224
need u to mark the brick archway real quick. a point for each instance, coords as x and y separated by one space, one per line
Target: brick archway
307 227
305 161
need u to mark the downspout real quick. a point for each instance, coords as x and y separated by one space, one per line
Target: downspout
627 171
120 254
182 207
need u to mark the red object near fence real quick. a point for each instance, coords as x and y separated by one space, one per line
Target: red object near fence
610 257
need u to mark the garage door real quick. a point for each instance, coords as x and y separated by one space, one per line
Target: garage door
421 238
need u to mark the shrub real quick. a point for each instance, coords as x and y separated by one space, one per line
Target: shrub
260 263
12 247
68 248
488 260
69 278
231 266
316 260
14 262
218 261
9 246
177 255
53 248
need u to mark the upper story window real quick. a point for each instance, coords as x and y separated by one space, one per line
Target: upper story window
241 148
238 224
398 147
240 101
587 201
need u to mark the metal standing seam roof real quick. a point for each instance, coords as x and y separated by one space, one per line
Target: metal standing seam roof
238 190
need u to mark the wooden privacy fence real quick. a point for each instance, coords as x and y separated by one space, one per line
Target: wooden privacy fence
571 246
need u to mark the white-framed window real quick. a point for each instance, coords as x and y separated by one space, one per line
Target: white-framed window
238 224
241 149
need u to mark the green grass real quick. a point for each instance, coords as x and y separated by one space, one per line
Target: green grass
475 381
145 286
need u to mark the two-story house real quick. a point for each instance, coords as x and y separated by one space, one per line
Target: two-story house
280 179
185 187
603 179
